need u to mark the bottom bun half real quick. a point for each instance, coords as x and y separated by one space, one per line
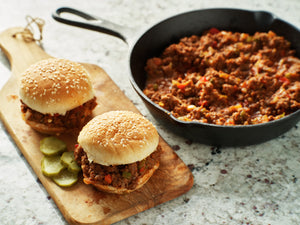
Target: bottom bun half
42 128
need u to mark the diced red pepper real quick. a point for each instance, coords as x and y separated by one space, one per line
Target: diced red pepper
214 30
203 103
108 178
142 169
203 78
76 145
214 44
230 122
181 86
282 53
157 61
284 80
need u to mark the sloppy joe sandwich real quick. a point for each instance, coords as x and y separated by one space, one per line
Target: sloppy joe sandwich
56 96
118 151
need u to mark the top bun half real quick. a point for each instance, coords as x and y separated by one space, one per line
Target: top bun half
55 86
118 137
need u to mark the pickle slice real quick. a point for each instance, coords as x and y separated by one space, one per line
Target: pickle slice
58 163
50 146
69 161
66 178
51 165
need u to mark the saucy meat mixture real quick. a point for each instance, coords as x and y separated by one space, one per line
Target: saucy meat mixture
226 78
74 118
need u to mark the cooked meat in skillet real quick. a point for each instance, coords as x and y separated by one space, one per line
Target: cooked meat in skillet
226 78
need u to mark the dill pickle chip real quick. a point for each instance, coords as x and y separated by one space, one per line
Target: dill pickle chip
66 178
69 161
51 165
52 146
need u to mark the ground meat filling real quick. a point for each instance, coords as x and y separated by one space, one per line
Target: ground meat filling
226 78
74 118
120 176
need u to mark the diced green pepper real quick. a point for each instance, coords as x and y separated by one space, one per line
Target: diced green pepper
126 174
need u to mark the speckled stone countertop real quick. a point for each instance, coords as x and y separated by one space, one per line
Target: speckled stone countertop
256 184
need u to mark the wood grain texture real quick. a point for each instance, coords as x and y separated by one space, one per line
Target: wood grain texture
82 204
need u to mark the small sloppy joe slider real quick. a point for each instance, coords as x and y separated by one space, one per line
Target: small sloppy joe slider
118 151
56 96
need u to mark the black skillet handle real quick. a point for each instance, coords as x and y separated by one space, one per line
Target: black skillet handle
92 23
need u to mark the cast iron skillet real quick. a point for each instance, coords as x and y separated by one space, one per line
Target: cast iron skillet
152 42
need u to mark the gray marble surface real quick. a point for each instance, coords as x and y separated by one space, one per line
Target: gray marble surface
256 184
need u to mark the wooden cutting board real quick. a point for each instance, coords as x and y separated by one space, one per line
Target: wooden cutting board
82 204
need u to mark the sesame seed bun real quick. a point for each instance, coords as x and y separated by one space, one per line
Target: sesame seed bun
55 86
118 137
